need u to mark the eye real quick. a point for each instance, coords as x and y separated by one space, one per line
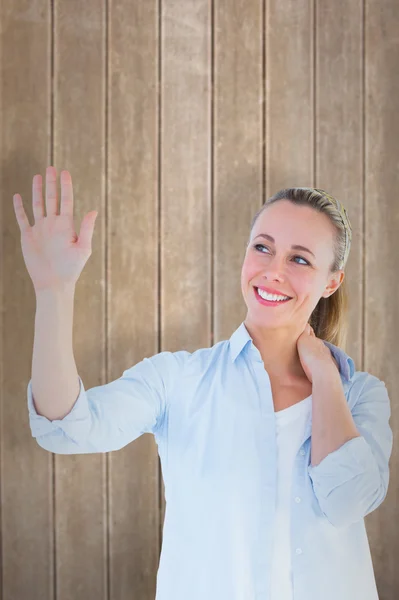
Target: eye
256 246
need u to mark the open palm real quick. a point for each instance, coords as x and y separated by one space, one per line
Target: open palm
53 252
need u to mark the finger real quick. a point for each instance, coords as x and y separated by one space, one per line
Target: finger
66 207
51 191
37 198
22 219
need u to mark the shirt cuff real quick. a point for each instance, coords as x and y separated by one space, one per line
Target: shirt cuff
341 465
75 424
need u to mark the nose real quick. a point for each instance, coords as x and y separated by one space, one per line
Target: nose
274 270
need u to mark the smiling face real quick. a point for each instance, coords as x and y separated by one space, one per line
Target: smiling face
292 271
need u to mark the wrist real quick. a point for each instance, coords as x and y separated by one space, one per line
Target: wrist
326 370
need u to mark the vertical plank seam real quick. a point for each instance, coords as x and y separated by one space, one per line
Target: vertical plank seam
264 113
106 459
313 87
2 313
53 461
363 188
159 234
212 174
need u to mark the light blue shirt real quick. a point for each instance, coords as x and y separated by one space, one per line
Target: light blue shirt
212 414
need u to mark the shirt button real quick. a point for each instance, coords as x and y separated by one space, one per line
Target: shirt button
297 499
302 452
298 550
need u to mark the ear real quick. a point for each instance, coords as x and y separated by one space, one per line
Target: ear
333 283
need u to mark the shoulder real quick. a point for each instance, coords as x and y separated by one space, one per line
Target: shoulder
181 359
184 362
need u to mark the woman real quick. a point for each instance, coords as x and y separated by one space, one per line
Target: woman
273 447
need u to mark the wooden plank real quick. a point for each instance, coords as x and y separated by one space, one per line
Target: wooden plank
133 238
79 143
339 136
185 178
238 152
381 246
289 143
26 470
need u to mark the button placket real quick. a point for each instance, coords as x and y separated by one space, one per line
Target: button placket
298 534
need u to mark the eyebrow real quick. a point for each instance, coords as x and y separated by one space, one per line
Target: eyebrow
294 246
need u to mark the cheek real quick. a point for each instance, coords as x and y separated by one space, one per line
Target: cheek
249 271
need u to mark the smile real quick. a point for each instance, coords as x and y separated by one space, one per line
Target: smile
269 302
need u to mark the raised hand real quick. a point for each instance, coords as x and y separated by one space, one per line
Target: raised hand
54 254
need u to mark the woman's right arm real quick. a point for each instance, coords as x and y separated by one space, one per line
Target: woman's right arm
55 380
54 255
63 416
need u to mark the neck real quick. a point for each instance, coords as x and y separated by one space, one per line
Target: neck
279 352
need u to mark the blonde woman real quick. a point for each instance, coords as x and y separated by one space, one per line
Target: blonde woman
273 446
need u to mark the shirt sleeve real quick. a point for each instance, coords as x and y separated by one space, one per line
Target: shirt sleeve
352 481
108 417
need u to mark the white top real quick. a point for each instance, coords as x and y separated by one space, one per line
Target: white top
290 428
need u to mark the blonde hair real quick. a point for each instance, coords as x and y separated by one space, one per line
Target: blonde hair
329 317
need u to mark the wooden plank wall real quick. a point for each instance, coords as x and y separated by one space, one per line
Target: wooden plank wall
176 119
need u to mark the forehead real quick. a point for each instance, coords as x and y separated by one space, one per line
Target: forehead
288 222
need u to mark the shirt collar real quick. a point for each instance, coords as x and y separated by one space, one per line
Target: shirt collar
241 338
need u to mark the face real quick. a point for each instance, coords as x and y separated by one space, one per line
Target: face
293 272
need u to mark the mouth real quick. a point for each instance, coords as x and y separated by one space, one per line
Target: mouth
269 302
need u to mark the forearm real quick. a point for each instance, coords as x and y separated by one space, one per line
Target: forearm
55 382
332 422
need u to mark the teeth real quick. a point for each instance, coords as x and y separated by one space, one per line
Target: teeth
272 297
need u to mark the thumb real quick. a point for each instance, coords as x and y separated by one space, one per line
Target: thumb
86 230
